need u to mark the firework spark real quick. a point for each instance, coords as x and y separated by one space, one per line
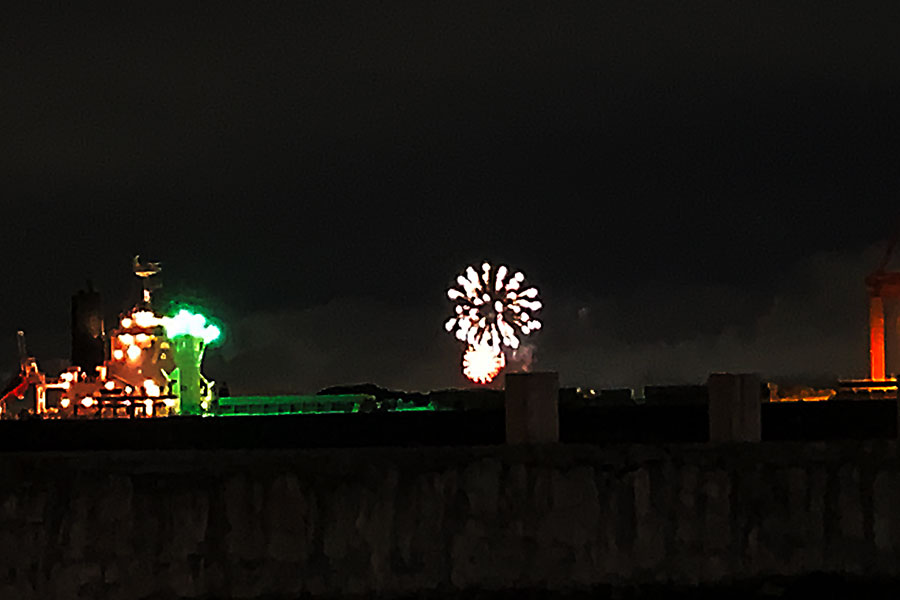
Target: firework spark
492 309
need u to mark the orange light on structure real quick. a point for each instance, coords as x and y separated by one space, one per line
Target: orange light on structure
133 353
882 284
150 388
145 319
876 339
804 395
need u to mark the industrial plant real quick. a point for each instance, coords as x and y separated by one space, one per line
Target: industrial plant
148 366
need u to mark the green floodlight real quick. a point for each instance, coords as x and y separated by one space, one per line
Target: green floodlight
187 323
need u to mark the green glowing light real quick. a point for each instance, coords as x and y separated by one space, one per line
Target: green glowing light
194 325
281 405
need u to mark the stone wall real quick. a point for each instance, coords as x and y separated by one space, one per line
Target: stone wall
286 524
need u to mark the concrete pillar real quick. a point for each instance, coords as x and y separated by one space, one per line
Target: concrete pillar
734 407
532 408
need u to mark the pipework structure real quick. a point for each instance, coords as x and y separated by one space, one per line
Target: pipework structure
151 366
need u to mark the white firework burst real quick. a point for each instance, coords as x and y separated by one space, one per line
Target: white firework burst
493 308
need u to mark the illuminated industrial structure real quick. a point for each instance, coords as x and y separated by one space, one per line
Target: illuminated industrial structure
884 333
149 365
152 367
882 285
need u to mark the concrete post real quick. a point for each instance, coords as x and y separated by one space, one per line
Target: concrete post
734 407
532 408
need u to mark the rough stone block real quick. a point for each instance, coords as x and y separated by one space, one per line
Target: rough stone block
886 525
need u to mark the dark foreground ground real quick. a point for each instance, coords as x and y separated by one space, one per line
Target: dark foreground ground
818 587
849 420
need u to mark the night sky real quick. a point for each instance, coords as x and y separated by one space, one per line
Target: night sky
693 187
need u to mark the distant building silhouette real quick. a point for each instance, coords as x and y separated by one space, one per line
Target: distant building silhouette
88 334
